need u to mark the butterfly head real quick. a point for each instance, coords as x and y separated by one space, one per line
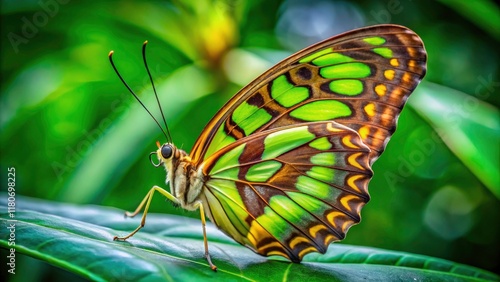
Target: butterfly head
168 155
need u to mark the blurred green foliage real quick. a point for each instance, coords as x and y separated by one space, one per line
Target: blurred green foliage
74 134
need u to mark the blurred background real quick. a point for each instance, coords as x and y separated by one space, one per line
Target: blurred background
74 134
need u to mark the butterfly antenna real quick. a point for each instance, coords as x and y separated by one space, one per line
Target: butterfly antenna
154 89
130 90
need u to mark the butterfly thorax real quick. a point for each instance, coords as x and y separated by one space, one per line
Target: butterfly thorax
186 181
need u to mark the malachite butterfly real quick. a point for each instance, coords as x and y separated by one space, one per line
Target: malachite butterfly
283 168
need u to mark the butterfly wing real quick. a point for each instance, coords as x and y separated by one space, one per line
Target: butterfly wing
361 79
291 190
287 160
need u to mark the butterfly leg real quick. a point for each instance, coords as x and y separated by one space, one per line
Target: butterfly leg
205 241
145 203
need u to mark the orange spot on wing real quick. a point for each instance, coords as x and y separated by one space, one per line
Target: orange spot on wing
329 238
332 215
380 89
329 127
364 131
297 240
346 225
257 233
407 77
315 229
306 251
270 245
277 253
389 74
352 160
345 201
351 181
411 51
370 110
346 140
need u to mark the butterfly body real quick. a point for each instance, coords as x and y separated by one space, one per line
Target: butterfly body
186 181
283 168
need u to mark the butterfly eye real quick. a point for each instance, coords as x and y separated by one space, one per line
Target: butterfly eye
166 151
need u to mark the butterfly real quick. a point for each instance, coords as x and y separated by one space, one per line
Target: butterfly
283 168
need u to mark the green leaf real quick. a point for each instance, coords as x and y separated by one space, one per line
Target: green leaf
79 239
468 126
484 13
